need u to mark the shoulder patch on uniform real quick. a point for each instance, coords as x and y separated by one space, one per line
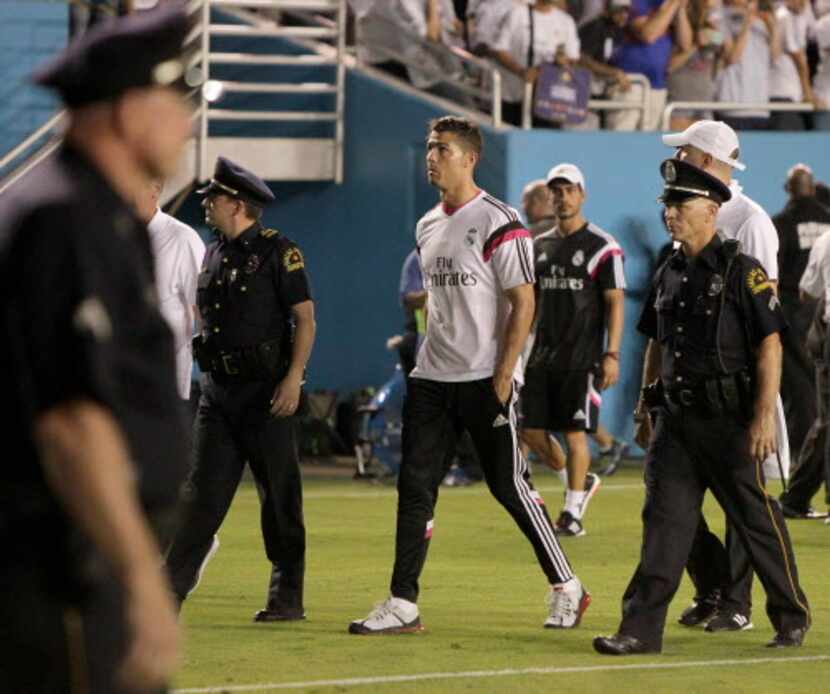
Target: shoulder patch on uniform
757 281
292 259
268 233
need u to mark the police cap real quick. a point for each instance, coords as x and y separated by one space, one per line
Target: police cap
684 181
237 182
140 50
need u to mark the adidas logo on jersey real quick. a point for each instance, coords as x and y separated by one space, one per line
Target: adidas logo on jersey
501 421
580 415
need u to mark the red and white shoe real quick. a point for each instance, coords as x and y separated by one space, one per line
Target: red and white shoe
568 602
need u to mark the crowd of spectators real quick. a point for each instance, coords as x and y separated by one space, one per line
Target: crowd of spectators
710 51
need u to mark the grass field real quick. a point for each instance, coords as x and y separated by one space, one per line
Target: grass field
482 603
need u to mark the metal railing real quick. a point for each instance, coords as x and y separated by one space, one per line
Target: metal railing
265 25
51 127
722 106
595 104
474 78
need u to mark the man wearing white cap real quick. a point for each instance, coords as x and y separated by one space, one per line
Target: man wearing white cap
723 579
580 283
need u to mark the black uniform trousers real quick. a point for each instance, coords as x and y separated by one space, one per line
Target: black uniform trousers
813 461
689 454
434 414
233 426
798 388
813 470
721 573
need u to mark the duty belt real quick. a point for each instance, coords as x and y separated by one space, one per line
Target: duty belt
731 393
262 361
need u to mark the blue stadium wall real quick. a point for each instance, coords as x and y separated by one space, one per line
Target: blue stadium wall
30 32
355 236
623 183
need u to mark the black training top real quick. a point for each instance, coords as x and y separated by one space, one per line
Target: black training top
80 320
572 272
799 224
684 306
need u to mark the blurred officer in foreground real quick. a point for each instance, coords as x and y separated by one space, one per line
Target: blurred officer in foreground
714 324
95 420
256 336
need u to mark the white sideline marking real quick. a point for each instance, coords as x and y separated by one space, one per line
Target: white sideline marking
388 679
476 489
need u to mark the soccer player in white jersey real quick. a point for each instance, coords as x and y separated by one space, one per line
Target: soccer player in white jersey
478 271
723 579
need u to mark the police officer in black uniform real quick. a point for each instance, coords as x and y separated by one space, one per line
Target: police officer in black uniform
714 322
94 427
257 331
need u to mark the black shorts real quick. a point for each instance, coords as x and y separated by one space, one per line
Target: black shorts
560 400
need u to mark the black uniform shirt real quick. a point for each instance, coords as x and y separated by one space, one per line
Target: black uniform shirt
684 306
800 223
572 272
81 322
247 287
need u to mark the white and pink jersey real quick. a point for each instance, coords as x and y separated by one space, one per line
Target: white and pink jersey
469 256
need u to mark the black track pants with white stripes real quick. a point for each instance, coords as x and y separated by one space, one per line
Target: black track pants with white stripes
434 414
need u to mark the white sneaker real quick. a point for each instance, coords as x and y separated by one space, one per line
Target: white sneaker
214 548
392 616
568 602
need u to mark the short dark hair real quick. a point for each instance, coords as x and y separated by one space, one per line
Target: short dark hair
251 211
467 131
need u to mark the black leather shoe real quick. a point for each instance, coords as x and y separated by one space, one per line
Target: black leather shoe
788 639
280 614
621 644
699 613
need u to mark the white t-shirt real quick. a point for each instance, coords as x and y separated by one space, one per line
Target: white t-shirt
784 82
550 31
816 278
744 219
746 81
178 253
470 256
488 17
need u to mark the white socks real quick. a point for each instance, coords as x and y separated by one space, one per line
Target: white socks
573 503
563 475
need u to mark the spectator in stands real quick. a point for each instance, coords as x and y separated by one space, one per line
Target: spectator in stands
821 80
746 76
591 9
600 40
692 72
484 23
404 38
531 35
790 74
655 26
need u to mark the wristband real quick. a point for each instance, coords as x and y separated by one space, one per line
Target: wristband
613 355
